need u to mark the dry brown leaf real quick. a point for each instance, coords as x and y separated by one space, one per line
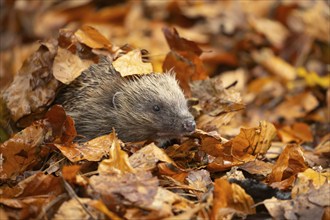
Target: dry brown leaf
26 148
131 64
322 149
218 104
166 202
296 106
173 173
274 31
101 207
241 149
220 157
92 150
183 154
118 162
148 157
138 189
298 132
254 141
177 43
74 209
257 167
230 199
69 173
199 180
305 21
34 86
275 65
290 162
68 66
19 152
311 205
62 125
183 59
9 67
92 38
31 196
306 178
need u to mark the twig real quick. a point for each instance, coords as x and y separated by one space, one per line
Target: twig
74 195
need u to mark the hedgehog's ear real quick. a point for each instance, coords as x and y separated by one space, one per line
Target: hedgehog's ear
114 97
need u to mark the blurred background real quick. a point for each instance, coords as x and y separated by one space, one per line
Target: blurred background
227 30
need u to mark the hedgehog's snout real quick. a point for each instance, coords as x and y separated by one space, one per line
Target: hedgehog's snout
189 125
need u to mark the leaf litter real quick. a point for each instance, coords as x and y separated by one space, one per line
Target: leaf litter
238 65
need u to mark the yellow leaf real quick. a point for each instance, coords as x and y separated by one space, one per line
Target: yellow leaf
131 64
313 79
118 162
302 185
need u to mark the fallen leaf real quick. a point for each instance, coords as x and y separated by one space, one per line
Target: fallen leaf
92 150
184 154
165 203
138 189
91 37
26 148
305 179
63 130
304 21
290 162
257 167
254 141
19 152
311 205
183 59
313 79
68 66
274 31
230 199
296 106
34 86
275 65
218 103
298 132
76 208
148 157
118 162
178 43
131 64
199 179
100 206
31 196
69 173
322 148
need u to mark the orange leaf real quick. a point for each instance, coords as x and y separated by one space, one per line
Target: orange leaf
230 199
92 38
92 150
118 162
290 162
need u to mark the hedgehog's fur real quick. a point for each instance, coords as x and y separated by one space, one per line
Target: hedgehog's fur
100 99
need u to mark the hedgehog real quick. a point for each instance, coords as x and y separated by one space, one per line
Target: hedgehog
145 107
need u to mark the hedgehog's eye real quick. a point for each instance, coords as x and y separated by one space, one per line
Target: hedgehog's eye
156 108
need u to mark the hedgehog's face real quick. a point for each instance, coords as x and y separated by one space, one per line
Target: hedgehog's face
167 117
158 108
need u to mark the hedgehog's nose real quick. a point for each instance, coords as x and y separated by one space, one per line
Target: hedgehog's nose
189 125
